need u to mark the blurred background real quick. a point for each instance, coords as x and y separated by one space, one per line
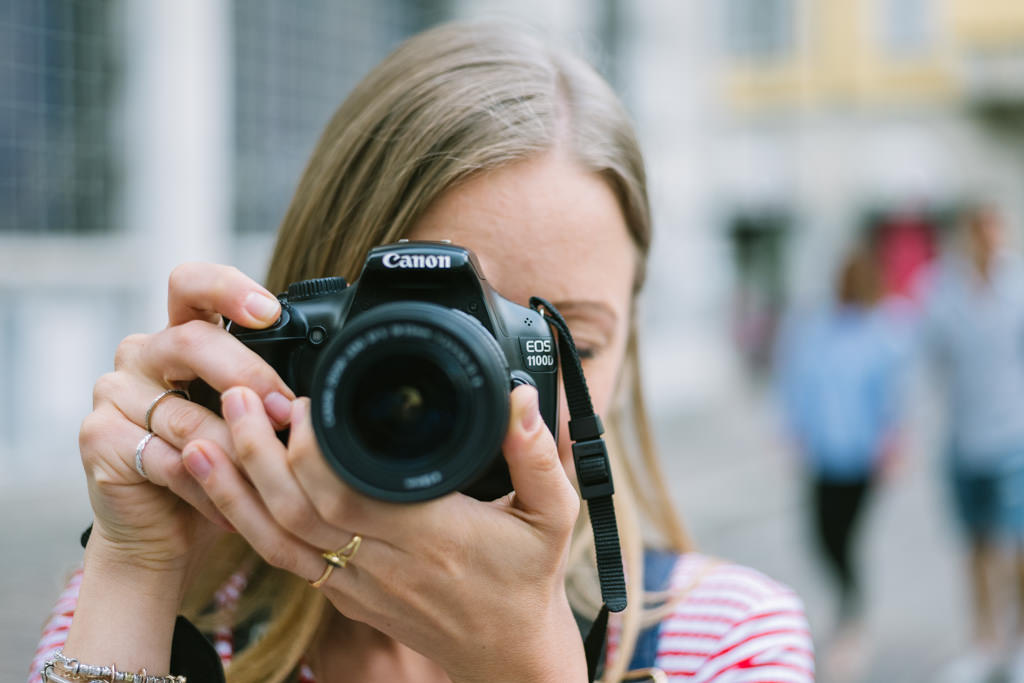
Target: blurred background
137 135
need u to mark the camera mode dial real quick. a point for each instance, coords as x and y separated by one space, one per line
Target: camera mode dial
309 289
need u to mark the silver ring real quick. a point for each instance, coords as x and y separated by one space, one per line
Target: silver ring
138 454
156 402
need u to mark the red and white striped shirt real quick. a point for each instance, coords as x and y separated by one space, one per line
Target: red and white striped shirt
55 632
733 625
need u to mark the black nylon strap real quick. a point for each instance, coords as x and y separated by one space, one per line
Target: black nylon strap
593 644
606 535
593 471
576 392
594 475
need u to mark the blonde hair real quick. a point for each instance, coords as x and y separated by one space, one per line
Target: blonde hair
450 103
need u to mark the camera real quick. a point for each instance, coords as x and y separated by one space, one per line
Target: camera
409 370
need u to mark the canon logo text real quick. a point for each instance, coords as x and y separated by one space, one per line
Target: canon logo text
417 261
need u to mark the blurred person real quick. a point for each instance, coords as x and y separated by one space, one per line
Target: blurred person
484 135
974 329
840 370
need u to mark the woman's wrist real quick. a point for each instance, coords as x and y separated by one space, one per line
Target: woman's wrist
117 554
560 654
159 579
553 653
126 611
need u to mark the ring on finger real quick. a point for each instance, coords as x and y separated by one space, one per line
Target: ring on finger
323 577
138 454
156 401
337 558
342 556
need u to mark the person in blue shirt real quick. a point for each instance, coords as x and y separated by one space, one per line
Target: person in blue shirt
839 371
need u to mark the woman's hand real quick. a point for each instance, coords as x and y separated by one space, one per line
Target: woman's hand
153 523
476 586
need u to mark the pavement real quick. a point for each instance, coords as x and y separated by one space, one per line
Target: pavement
739 487
740 491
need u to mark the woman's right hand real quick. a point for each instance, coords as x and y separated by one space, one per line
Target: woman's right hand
155 523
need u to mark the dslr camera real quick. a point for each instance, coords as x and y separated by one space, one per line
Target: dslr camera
409 370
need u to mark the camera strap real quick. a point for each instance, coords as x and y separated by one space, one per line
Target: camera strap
594 476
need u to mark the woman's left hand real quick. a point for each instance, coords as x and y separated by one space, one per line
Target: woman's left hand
476 586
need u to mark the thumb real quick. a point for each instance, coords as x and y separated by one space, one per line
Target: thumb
541 484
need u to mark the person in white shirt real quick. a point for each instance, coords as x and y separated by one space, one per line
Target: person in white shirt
974 329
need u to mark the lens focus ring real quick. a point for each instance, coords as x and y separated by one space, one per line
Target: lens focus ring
411 401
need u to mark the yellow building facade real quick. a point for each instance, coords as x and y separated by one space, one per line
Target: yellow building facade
879 52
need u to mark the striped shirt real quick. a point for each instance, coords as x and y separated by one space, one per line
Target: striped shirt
732 625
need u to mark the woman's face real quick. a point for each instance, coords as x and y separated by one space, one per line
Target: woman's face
546 227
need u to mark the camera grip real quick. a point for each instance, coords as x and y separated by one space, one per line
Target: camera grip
202 393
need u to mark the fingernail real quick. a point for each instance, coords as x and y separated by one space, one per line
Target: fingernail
233 404
278 407
262 307
529 414
197 462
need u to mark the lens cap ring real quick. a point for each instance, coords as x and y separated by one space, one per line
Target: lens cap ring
441 340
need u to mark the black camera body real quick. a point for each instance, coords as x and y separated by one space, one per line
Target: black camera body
409 370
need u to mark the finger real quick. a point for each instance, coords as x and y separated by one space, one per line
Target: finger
163 467
240 503
207 291
174 418
198 349
264 459
108 444
541 485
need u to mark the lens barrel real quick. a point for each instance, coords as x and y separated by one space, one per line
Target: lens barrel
411 401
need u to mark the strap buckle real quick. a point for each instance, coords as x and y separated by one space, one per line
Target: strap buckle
593 469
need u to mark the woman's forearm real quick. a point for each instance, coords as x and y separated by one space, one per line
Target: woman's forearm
125 614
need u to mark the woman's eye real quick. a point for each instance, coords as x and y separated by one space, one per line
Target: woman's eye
585 352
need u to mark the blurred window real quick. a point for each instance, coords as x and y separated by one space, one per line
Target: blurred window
58 76
294 64
758 249
907 26
760 29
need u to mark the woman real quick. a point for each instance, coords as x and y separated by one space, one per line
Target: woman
840 372
483 135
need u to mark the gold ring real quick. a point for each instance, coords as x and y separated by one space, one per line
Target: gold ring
342 556
323 577
338 558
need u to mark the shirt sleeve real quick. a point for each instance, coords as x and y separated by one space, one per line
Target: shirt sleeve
770 643
55 631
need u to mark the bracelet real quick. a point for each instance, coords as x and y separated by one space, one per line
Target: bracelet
72 671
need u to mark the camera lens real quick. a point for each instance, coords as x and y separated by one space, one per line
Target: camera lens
404 406
410 402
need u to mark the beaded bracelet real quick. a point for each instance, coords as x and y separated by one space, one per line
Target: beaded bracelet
84 672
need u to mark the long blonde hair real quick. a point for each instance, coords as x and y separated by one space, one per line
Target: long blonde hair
450 103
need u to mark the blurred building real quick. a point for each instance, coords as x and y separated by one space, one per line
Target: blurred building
841 120
134 136
137 135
